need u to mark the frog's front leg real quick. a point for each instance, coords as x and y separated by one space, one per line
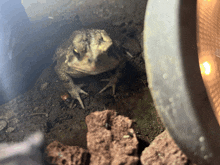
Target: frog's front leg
114 79
73 89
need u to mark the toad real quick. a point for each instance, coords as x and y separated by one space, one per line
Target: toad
87 52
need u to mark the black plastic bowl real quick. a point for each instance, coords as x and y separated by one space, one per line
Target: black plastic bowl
175 81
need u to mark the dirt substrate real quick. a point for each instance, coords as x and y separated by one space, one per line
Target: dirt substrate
41 107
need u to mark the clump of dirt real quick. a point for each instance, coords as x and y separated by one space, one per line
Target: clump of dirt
57 153
163 150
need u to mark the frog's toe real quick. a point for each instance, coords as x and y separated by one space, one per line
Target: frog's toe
109 85
75 94
112 83
80 101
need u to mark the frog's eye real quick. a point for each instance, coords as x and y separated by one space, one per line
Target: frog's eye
76 53
101 40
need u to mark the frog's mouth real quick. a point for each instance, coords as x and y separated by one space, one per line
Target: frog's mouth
94 67
98 68
95 63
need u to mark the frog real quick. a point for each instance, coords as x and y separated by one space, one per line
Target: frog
88 52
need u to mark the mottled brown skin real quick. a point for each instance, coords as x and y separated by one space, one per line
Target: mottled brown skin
87 52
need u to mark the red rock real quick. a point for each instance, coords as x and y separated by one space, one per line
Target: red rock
111 140
163 150
66 155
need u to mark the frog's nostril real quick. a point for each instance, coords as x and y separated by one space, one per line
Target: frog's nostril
90 60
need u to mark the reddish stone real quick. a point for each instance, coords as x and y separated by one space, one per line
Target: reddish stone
163 150
58 153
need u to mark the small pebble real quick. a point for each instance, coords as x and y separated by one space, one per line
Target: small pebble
126 136
44 86
36 108
3 124
10 129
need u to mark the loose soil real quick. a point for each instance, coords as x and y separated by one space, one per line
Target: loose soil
41 107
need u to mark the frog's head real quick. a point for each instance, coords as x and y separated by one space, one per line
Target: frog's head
91 51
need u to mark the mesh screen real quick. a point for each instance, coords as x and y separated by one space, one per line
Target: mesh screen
208 43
